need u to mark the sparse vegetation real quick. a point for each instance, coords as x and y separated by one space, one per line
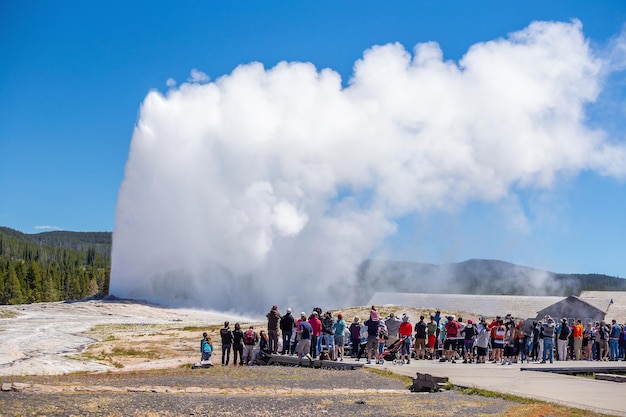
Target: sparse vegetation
8 314
406 380
150 354
529 407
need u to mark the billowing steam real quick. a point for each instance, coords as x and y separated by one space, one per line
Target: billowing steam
272 185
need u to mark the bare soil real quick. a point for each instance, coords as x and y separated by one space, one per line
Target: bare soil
243 391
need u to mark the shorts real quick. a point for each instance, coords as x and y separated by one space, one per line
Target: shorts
339 341
431 341
303 346
449 344
420 344
509 351
372 343
481 351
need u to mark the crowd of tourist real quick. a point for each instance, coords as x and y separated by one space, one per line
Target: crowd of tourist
500 340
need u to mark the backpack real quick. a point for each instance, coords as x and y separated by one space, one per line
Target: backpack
327 325
248 337
604 332
382 332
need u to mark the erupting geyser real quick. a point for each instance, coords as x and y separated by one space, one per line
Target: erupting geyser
270 186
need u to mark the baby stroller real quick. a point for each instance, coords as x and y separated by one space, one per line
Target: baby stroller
393 353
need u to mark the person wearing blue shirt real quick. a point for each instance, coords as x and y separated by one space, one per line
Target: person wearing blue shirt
614 340
339 326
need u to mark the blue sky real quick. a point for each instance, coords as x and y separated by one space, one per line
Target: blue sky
74 74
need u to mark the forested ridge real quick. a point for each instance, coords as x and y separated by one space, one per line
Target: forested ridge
61 265
53 266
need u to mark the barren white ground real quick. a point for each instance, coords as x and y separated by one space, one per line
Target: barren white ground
44 338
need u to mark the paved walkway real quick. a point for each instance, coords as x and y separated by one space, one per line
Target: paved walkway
586 393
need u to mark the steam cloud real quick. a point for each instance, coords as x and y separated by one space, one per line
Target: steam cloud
272 185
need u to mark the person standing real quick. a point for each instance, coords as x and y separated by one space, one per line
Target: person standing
562 340
287 324
355 337
498 344
372 338
577 334
536 351
510 334
482 341
421 335
604 331
250 340
405 332
393 325
304 331
273 318
469 334
452 328
237 344
549 330
339 326
316 326
614 340
328 333
227 341
432 336
437 318
588 342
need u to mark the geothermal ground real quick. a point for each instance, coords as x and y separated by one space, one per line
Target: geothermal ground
63 337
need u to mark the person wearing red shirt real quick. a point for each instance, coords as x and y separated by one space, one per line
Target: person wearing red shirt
316 325
405 331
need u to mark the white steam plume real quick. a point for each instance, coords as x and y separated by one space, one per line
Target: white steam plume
272 185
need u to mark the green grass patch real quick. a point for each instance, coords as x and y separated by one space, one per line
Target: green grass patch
528 404
406 380
194 329
492 394
200 329
150 354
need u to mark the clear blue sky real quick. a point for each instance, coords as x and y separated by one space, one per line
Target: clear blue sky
73 75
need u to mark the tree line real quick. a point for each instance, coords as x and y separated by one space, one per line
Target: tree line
53 266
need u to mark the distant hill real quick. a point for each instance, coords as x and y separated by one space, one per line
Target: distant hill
61 265
102 241
475 276
53 266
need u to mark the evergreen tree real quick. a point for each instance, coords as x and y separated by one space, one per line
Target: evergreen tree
35 284
12 287
3 272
